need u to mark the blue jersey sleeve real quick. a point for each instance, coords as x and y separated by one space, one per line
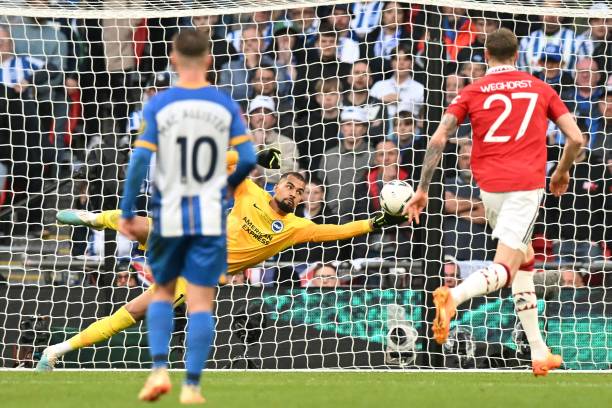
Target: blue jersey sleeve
148 129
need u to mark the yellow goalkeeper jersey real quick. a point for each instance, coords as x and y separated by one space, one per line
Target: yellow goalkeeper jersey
255 232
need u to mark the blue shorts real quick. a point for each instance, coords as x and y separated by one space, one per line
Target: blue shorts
199 259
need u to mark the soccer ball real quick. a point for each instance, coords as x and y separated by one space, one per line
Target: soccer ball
394 196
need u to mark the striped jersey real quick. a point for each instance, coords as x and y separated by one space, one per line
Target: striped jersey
366 16
532 47
190 129
18 69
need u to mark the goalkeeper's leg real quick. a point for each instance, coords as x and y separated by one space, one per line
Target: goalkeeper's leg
103 220
104 329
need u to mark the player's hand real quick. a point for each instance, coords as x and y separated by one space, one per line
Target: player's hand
269 158
384 219
415 206
559 181
127 226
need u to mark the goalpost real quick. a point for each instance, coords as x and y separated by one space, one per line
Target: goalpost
75 76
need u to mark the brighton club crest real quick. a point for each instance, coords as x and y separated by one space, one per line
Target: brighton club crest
277 226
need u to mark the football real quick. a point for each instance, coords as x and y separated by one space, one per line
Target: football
394 196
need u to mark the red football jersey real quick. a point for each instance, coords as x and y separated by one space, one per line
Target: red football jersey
509 112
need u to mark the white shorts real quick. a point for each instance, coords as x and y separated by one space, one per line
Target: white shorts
512 215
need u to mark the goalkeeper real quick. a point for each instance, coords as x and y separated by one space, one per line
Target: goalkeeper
258 227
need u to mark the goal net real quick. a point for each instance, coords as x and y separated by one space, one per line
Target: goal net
349 93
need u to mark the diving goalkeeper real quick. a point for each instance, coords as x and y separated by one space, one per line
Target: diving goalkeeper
258 227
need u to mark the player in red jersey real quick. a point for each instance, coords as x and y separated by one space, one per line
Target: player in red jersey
509 112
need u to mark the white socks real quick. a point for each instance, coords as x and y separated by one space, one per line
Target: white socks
61 348
525 303
480 283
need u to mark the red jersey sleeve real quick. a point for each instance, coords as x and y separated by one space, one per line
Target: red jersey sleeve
459 106
556 107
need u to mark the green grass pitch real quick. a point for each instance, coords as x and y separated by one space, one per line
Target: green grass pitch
88 389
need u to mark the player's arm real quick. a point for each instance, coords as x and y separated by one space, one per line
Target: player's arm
574 141
433 154
331 232
242 143
139 162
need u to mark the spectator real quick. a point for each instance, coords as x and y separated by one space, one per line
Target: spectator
595 42
314 208
262 81
453 84
262 120
383 41
452 272
458 31
390 242
317 130
321 62
348 46
22 148
552 72
125 279
307 23
108 82
552 32
366 16
464 226
386 168
411 147
263 22
475 52
358 94
471 71
287 53
220 49
576 221
323 276
159 82
400 88
572 279
234 74
344 167
40 38
582 98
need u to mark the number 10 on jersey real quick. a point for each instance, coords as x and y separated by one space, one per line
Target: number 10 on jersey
196 172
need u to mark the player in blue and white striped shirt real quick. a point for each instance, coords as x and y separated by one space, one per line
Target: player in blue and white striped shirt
189 126
16 71
532 46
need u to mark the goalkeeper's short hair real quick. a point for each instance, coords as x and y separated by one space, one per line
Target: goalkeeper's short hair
295 174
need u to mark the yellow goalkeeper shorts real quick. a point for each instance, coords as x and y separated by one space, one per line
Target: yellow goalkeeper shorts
180 291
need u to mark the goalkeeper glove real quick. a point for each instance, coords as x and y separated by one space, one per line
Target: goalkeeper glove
384 219
269 158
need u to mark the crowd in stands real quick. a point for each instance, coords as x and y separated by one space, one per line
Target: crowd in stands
341 90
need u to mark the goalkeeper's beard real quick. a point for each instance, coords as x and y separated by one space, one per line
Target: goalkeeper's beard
284 206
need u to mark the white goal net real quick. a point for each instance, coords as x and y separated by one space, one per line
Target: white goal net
349 93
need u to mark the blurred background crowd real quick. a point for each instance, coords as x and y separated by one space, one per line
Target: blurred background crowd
343 91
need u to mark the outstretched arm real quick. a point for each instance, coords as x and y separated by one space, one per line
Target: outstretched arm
330 232
436 146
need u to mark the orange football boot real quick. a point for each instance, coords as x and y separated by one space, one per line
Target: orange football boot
445 311
542 367
157 385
